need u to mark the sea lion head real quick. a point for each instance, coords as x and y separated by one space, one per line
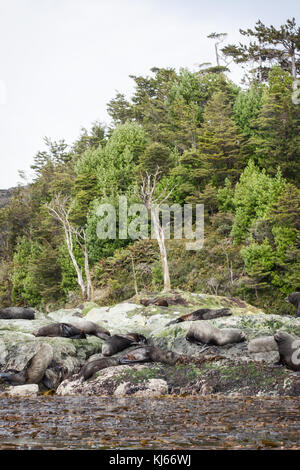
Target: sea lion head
137 338
281 337
226 312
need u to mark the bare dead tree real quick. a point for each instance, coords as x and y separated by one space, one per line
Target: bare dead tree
219 38
81 238
224 245
59 208
134 277
152 204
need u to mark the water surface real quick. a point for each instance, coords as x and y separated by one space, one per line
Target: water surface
137 423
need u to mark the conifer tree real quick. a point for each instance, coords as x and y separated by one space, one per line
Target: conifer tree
277 138
219 143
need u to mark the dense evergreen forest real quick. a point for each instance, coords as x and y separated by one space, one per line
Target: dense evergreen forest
234 149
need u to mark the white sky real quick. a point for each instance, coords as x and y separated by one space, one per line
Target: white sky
61 61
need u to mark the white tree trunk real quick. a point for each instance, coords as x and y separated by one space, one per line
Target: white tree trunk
69 241
89 287
162 247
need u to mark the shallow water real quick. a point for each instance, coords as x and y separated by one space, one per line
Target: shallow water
135 423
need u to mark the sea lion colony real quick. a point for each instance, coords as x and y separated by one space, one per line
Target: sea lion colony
201 332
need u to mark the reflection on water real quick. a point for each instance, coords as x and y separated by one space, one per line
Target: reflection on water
135 423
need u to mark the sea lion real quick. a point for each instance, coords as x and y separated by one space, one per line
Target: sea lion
91 367
155 354
34 370
152 354
157 301
117 343
17 313
289 349
294 299
62 330
54 375
262 344
136 355
203 332
202 314
90 328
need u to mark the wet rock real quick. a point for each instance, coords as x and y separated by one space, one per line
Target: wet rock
103 382
18 344
29 391
150 388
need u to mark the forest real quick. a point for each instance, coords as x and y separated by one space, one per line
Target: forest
235 149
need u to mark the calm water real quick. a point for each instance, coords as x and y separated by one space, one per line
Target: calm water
165 423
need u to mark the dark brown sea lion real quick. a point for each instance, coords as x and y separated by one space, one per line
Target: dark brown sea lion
262 344
294 299
117 343
202 314
54 375
155 354
157 301
204 332
62 330
289 349
91 328
91 367
34 370
17 313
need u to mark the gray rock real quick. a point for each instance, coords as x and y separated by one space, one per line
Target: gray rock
149 389
23 391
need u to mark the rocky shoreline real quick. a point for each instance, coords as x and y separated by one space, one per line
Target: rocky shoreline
229 370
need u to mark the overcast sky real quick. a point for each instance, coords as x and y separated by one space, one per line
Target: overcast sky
61 61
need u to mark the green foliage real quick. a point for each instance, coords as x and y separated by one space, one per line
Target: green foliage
286 210
155 155
246 108
157 276
97 247
276 138
90 140
284 239
254 195
115 172
267 45
21 261
258 258
219 142
85 186
225 197
215 144
68 274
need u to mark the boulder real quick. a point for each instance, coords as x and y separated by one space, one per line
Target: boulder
23 391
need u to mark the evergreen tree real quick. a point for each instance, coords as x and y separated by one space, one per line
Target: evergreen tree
219 143
277 137
282 45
